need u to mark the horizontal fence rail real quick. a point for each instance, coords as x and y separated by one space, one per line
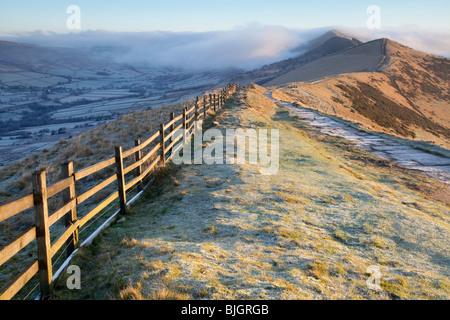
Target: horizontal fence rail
162 145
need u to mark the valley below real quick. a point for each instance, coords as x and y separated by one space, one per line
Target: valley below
43 101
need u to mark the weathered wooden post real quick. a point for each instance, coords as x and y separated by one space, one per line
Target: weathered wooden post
42 233
196 109
204 107
69 195
138 157
215 103
184 126
210 101
121 180
172 128
163 144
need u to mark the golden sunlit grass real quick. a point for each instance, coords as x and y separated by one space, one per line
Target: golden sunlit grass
132 292
309 232
167 294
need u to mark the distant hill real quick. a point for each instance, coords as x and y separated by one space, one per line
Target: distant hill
383 85
29 65
329 43
319 41
27 57
363 57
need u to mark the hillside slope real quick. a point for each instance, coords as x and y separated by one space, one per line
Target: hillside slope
327 44
84 150
408 95
33 58
308 232
363 57
319 41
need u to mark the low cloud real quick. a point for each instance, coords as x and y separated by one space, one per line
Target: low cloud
434 41
246 47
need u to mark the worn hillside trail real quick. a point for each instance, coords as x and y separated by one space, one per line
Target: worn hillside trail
435 166
310 231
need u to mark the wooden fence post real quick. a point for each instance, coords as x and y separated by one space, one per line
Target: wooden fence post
43 233
71 216
137 157
210 101
163 144
172 128
196 109
215 103
204 108
184 126
121 180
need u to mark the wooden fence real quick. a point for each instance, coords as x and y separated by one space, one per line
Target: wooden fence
143 165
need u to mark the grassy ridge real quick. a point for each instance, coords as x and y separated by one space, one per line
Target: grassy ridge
309 232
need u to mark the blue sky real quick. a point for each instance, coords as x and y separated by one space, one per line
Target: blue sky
203 15
205 33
